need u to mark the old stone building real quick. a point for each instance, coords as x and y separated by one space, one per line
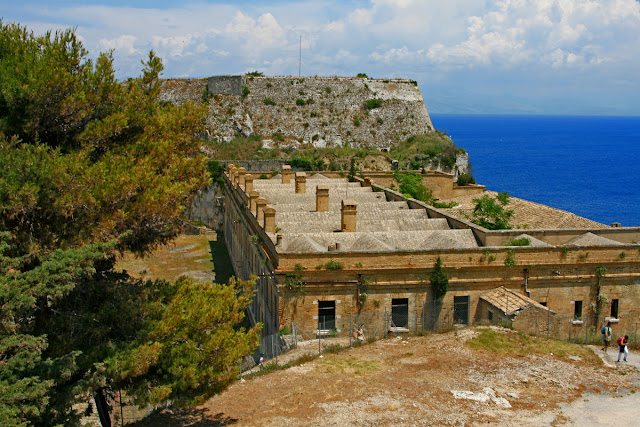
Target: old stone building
327 251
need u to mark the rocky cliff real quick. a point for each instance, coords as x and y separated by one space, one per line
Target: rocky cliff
323 111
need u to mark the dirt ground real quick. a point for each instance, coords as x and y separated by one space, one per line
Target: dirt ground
431 380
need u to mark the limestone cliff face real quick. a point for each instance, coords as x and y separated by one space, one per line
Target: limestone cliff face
322 111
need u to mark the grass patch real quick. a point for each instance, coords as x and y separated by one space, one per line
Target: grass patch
511 343
350 366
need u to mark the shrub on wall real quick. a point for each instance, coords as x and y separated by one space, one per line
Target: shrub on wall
439 280
370 104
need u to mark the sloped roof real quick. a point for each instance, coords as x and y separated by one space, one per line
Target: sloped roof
304 243
508 301
368 243
590 239
525 212
450 239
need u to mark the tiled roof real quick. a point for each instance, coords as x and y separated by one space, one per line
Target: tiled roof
381 225
508 301
526 214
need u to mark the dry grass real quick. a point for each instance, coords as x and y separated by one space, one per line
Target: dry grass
187 254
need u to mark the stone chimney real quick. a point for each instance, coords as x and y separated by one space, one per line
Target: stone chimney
322 198
286 174
253 196
233 175
248 183
241 174
269 219
301 182
261 203
348 215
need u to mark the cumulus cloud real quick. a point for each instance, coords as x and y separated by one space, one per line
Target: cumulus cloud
124 43
427 40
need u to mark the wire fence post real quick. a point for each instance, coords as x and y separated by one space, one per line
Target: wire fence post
586 330
350 328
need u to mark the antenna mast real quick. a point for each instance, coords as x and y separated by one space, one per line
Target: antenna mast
300 58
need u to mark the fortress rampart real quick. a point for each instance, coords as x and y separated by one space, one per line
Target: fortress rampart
323 111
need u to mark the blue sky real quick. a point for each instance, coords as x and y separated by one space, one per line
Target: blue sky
469 56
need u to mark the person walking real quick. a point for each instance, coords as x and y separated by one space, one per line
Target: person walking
622 347
606 336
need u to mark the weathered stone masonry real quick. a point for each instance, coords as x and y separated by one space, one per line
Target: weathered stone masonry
561 275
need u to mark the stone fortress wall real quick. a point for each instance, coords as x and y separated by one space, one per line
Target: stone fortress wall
324 111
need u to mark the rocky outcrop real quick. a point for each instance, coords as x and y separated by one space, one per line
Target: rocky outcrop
323 111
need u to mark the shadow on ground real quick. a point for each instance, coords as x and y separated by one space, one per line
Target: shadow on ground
221 261
192 417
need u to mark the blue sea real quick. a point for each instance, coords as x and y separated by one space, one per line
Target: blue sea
586 165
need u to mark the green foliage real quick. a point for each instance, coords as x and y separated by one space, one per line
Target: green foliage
307 164
491 213
269 101
216 170
362 75
431 147
245 91
190 348
278 136
410 183
92 158
293 282
510 262
300 101
522 241
333 265
370 104
439 280
465 179
356 121
255 73
93 161
444 205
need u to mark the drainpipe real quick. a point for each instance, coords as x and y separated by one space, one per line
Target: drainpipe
526 282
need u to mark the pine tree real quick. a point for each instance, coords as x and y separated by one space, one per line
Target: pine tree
92 167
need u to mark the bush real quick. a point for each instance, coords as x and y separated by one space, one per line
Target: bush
333 265
411 184
356 121
370 104
523 241
465 179
255 73
300 101
269 101
245 91
362 75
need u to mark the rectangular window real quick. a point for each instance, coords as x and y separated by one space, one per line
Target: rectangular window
490 316
544 304
577 310
614 308
400 312
326 315
461 310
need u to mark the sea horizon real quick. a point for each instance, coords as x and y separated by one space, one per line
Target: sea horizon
586 165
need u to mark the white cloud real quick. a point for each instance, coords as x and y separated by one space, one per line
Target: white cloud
171 46
124 43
